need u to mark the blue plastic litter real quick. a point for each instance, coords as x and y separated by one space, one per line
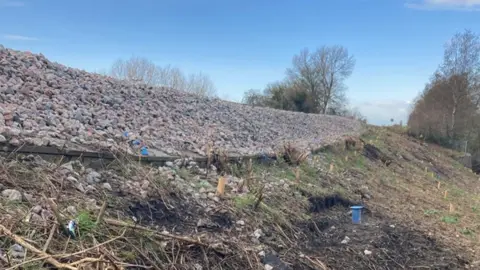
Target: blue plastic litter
136 142
144 151
356 214
125 134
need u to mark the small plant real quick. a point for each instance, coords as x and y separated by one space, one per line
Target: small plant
183 173
450 219
430 212
244 201
85 222
360 162
467 232
457 192
128 255
309 170
204 184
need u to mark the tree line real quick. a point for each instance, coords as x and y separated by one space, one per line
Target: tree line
315 83
143 70
447 110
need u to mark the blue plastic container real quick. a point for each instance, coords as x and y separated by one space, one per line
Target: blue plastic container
356 214
144 151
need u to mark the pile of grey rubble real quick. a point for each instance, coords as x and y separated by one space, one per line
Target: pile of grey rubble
47 104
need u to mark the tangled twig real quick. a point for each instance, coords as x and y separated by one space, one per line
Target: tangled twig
44 255
180 238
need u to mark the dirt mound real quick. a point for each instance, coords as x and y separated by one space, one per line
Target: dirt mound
44 103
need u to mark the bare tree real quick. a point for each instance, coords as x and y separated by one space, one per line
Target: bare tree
135 69
200 84
461 66
323 73
171 77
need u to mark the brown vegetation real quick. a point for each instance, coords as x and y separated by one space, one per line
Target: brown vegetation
290 217
447 111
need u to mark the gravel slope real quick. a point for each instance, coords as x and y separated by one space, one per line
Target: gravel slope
45 103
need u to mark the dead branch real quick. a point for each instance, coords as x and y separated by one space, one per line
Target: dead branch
25 262
50 237
102 212
115 222
91 248
318 263
22 242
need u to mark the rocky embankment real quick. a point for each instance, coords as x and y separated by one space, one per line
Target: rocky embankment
47 104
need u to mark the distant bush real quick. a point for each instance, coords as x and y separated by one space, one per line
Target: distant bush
314 84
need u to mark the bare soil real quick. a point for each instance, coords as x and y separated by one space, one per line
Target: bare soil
420 212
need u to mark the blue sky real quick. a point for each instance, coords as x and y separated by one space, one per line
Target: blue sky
246 44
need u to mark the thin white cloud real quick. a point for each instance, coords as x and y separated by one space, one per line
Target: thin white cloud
6 3
19 38
458 5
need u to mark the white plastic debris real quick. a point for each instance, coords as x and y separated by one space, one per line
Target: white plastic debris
257 233
72 225
367 252
268 267
345 240
17 251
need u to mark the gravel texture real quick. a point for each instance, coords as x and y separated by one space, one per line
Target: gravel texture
48 104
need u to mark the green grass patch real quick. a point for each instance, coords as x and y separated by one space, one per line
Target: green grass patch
309 170
450 219
184 173
430 212
456 192
359 161
85 222
203 184
244 201
467 232
275 215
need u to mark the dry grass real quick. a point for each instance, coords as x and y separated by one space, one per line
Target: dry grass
293 155
274 198
107 237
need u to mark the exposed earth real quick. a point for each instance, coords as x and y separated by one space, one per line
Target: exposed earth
421 211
